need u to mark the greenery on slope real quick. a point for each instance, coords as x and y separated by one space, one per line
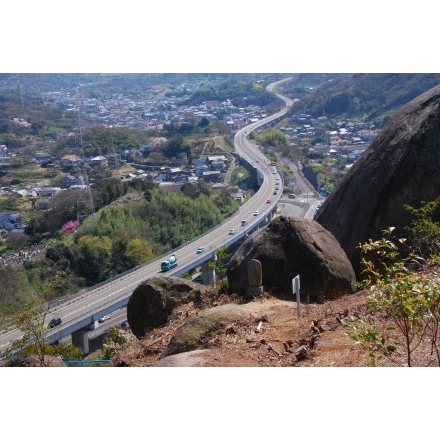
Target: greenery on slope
136 222
364 96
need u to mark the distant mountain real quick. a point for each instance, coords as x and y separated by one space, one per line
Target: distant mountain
33 84
363 96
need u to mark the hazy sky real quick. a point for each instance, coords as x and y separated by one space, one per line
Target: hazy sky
227 36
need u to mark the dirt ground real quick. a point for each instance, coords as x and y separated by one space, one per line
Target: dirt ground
278 338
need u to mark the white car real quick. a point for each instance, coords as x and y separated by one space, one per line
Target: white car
231 231
104 318
256 213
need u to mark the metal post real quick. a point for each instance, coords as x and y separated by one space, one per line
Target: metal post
296 291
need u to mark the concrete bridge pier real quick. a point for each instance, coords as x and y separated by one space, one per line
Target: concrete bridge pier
208 272
80 339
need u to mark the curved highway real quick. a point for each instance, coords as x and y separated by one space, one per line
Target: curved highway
84 308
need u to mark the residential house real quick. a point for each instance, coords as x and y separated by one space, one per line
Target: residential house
43 158
69 180
70 161
10 221
99 161
211 176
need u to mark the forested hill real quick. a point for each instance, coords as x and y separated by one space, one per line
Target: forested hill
34 84
363 96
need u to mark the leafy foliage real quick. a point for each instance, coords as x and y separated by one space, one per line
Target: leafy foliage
30 320
146 222
272 137
397 291
364 96
424 229
219 266
114 341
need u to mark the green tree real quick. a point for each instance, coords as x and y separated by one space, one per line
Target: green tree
114 341
31 322
424 229
93 257
400 293
138 251
204 122
219 266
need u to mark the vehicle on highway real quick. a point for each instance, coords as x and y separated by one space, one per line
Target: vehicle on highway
104 318
256 213
275 193
268 201
231 231
244 222
55 321
168 264
200 250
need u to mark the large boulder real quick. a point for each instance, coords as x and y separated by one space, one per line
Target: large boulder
288 247
189 337
152 301
401 167
188 359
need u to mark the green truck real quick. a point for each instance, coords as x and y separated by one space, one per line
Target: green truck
168 264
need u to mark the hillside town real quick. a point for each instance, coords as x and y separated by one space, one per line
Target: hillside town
344 139
155 109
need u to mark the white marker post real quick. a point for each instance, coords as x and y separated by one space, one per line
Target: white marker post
296 291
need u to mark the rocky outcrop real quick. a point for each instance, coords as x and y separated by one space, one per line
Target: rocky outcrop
401 167
188 359
208 321
288 247
152 301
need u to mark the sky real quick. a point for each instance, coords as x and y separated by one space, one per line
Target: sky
223 37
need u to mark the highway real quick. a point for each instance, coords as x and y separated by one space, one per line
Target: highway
84 308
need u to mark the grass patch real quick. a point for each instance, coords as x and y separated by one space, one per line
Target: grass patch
239 175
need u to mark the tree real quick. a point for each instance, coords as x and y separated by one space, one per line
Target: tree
94 255
400 293
219 265
204 122
114 341
424 230
138 251
31 322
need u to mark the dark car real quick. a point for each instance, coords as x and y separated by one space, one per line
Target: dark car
54 322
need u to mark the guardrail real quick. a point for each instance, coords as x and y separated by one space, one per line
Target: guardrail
87 363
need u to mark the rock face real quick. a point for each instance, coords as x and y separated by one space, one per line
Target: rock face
188 359
152 301
401 167
189 336
288 247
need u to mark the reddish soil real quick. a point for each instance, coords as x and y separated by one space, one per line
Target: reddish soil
274 339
